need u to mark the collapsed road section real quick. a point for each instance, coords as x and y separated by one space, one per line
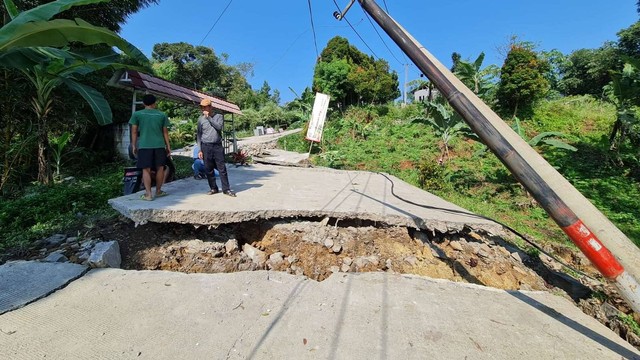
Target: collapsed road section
268 192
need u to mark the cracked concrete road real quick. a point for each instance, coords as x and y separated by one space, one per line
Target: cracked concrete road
267 192
118 314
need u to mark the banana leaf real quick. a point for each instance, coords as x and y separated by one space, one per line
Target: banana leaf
43 12
95 99
559 144
61 32
12 10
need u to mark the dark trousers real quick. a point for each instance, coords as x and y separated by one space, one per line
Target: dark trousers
213 155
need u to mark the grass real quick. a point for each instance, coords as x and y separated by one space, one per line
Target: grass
44 210
628 320
365 140
41 211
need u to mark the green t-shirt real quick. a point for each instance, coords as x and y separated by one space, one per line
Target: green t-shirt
150 123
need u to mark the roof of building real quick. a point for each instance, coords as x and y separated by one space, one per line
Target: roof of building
136 80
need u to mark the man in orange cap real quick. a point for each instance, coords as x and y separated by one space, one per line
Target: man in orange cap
209 139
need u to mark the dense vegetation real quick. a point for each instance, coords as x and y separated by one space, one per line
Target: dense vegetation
579 110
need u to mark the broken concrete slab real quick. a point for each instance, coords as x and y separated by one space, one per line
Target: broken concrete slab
272 315
22 282
283 158
105 254
245 143
267 192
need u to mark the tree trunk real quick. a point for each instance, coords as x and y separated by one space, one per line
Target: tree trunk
42 110
44 172
515 110
614 132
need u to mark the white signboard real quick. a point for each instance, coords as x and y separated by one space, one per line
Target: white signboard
320 106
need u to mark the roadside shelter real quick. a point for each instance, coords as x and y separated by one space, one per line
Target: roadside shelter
140 83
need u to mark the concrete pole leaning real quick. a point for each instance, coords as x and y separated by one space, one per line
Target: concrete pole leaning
587 227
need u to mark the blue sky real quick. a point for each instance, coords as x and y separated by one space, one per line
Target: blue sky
276 36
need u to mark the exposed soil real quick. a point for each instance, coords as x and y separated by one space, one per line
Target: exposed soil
316 249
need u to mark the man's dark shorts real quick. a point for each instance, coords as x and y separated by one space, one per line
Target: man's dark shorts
151 158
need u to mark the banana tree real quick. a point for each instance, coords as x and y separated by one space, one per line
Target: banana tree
476 79
59 143
549 138
32 43
624 92
446 123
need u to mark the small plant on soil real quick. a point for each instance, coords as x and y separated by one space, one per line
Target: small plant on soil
240 158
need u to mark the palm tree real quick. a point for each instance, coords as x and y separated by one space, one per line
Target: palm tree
31 43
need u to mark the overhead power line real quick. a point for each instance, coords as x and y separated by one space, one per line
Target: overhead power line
385 6
402 53
297 38
315 40
380 36
355 31
214 24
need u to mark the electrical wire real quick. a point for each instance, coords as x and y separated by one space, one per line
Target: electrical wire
214 24
406 61
313 28
295 40
515 232
354 30
380 36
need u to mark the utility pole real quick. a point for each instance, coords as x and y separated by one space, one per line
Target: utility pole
406 79
583 223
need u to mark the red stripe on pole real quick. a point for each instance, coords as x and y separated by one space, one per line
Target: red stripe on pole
594 250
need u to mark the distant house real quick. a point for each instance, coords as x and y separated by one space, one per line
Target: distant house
422 95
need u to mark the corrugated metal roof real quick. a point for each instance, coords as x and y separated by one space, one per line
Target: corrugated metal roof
133 79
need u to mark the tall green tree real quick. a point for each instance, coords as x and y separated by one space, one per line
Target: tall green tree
557 63
455 59
624 92
588 71
522 80
629 40
109 14
199 67
70 113
352 77
331 78
195 66
27 44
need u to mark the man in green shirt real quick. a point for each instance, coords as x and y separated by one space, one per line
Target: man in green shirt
153 148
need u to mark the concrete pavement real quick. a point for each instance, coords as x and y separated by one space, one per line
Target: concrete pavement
266 192
266 138
282 158
117 314
248 141
22 282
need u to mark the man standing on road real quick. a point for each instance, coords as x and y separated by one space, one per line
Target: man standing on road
209 139
153 145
